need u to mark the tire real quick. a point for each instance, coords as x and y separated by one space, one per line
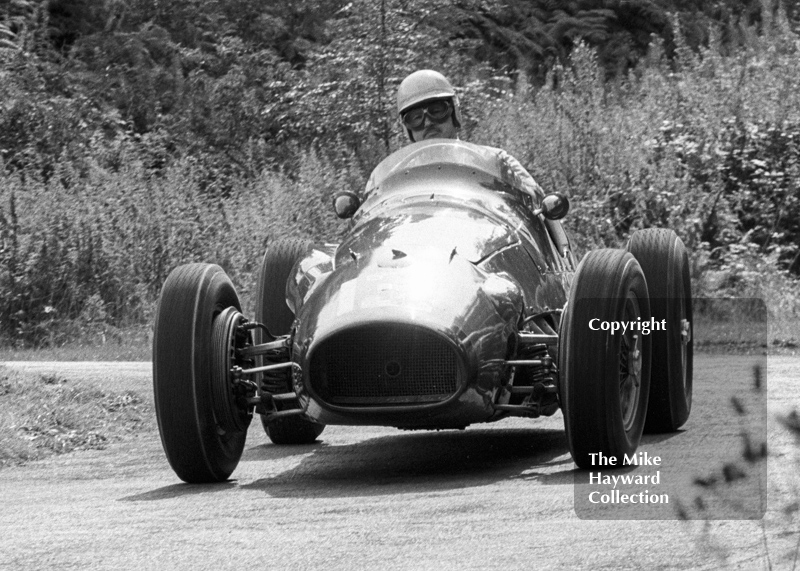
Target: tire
272 311
185 372
604 408
665 264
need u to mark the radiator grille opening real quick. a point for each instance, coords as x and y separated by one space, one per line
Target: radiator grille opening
385 365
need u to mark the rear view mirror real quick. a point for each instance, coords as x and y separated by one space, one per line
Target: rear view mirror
345 204
554 206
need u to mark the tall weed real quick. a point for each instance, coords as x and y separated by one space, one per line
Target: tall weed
95 249
705 144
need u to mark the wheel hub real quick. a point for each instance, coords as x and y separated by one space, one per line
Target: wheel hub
686 339
630 368
228 337
686 331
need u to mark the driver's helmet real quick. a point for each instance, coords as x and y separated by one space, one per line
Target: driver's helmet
424 85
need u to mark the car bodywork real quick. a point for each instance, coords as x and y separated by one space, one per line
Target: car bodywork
411 321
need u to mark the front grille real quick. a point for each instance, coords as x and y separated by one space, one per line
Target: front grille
385 365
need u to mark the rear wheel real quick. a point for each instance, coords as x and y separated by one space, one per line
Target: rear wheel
665 264
272 311
196 332
604 377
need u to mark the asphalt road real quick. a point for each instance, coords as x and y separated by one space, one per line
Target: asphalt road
499 496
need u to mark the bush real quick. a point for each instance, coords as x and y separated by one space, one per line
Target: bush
146 145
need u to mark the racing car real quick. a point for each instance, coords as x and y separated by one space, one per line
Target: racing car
453 299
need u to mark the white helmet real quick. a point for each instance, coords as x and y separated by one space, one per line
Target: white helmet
424 85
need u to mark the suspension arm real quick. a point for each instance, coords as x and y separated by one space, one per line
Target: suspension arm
264 348
239 372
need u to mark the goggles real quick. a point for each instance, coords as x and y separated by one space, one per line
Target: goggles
437 111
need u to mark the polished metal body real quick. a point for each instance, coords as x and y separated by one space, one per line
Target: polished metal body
418 318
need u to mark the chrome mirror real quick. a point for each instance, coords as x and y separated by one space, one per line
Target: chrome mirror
345 204
554 206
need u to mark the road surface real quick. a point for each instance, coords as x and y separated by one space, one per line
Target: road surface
498 496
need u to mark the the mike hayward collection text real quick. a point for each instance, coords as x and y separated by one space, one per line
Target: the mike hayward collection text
615 496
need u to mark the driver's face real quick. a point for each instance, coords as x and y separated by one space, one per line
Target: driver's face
432 130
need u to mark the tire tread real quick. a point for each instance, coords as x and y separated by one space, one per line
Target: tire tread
659 250
589 407
181 369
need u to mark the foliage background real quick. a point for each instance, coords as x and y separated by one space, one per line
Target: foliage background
139 135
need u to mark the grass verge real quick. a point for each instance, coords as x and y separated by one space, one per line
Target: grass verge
132 344
42 415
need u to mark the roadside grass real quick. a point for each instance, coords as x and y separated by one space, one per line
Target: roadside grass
132 344
43 415
747 334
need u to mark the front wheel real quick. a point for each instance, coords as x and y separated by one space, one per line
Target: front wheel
605 374
202 425
665 264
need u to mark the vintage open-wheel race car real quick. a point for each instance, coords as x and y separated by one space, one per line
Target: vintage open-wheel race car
454 299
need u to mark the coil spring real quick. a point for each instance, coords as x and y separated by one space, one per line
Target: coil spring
540 374
280 381
531 376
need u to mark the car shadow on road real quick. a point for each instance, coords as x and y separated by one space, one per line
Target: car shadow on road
265 453
401 463
177 490
421 462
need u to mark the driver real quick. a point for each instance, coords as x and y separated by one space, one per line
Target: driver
428 107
